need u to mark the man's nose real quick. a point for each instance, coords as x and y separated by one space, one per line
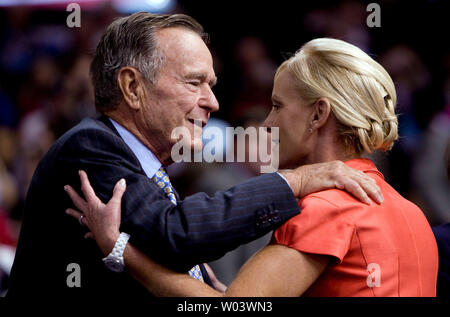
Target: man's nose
208 100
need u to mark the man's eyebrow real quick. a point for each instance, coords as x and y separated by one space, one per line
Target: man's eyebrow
213 82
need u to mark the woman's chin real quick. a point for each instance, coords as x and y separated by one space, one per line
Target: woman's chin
286 166
290 164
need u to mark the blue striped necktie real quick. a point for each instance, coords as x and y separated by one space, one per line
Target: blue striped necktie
162 180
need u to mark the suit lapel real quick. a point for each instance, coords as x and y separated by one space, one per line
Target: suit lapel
105 120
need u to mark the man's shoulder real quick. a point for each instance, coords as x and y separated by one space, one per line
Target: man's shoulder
90 135
88 126
89 132
92 141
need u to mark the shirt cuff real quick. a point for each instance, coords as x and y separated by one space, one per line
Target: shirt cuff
281 175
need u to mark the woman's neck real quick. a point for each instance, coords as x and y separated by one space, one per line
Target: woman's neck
331 152
329 148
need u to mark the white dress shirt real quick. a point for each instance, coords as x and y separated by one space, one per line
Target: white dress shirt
149 162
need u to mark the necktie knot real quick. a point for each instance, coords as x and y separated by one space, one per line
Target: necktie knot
161 178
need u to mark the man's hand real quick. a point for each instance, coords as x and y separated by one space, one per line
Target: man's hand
102 219
312 178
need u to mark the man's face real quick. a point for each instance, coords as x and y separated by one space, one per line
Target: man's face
182 92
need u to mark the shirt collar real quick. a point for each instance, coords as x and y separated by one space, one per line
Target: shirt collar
149 162
364 165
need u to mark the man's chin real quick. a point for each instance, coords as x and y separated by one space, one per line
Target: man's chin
196 145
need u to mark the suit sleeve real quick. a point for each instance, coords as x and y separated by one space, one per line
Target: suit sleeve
200 228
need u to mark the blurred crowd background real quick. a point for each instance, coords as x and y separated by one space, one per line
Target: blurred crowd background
45 89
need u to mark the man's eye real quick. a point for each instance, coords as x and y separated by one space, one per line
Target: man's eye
194 83
276 107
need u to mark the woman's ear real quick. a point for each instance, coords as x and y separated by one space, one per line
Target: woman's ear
321 113
130 83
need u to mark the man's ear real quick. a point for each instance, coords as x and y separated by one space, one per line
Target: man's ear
131 85
321 113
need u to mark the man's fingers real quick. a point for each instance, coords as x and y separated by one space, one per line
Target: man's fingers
74 213
372 189
79 202
356 190
87 189
369 185
118 191
366 184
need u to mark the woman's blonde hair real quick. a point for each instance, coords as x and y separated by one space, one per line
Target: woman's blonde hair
361 92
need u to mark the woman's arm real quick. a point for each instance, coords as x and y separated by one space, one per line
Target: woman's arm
278 270
274 271
161 281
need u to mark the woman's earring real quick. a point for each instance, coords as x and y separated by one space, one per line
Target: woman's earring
310 130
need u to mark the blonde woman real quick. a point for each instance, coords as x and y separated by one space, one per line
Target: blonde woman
331 101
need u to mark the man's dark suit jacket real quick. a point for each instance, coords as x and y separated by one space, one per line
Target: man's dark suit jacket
199 229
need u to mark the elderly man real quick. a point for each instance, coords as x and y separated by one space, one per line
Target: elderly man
151 74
